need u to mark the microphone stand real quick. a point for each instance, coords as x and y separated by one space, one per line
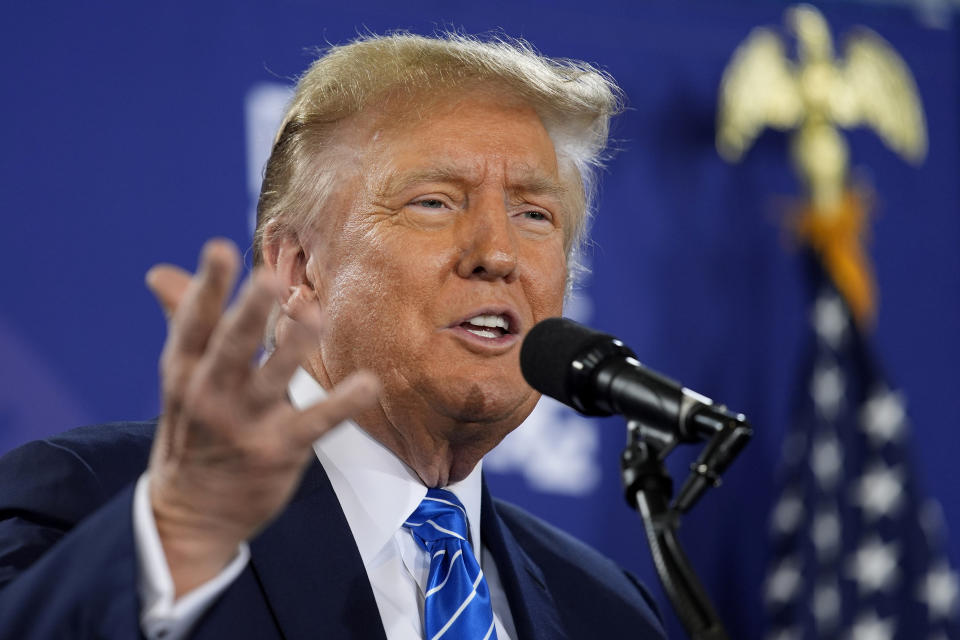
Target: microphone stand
649 488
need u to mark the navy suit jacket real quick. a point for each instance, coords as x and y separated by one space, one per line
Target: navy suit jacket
68 564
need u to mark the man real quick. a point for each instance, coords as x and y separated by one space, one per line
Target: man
420 213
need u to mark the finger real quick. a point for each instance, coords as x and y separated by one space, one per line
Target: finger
357 392
239 335
168 285
202 302
298 341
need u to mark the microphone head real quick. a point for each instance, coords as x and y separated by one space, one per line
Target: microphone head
558 358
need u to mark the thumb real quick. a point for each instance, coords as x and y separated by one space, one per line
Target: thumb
168 284
358 391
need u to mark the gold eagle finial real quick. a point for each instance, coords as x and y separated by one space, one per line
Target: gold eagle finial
815 96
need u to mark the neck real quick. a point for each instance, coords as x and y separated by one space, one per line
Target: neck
439 448
440 451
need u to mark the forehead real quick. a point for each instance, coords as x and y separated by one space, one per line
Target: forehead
467 135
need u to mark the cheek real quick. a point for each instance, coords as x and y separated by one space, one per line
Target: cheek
378 303
352 297
546 283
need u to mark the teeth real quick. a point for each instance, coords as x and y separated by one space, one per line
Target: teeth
483 333
490 321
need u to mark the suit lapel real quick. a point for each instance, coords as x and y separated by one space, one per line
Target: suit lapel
534 612
315 584
311 571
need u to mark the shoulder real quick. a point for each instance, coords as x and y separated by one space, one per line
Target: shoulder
94 462
582 580
47 487
99 447
537 537
114 444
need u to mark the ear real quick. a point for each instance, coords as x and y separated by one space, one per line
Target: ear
285 255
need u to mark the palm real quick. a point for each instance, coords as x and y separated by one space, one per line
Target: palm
230 448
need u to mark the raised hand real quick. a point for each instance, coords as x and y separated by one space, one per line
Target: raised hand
230 449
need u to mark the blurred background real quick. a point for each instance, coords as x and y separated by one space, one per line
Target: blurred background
132 132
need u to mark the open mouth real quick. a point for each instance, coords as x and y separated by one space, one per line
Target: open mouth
489 326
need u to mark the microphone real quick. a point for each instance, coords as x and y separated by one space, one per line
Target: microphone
598 375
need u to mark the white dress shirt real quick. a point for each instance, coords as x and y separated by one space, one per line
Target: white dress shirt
377 492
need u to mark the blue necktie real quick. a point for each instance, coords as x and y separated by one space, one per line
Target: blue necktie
457 603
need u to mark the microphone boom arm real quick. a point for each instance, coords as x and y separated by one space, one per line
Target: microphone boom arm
649 487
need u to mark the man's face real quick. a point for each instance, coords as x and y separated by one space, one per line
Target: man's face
447 247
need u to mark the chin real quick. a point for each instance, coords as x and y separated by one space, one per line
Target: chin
477 404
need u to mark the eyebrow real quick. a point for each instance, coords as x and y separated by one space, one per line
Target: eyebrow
538 184
394 182
529 181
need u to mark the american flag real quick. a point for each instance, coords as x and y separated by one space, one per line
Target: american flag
857 551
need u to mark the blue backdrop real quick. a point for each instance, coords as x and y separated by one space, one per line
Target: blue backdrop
131 133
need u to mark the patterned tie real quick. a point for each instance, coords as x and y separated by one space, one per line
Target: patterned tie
457 603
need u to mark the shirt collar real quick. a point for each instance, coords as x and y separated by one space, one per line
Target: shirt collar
376 489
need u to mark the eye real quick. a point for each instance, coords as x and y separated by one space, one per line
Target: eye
430 203
537 221
535 215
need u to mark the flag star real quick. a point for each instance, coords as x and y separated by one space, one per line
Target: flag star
883 417
869 627
830 319
827 389
784 582
874 565
826 606
826 460
939 590
826 533
879 492
787 514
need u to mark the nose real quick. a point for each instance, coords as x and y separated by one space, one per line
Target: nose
488 241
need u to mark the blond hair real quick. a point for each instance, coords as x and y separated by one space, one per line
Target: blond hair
574 100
